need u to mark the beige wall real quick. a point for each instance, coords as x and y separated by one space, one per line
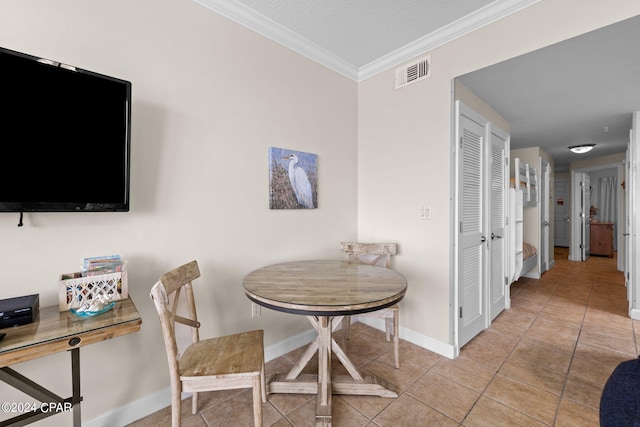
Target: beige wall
605 160
465 95
404 150
209 98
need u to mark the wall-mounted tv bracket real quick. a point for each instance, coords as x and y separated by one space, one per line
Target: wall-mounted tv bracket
20 222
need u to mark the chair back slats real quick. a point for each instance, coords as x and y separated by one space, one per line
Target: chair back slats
166 295
369 253
186 321
180 276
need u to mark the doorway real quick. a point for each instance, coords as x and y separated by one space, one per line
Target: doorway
561 213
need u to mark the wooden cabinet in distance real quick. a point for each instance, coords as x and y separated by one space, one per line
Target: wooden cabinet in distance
602 238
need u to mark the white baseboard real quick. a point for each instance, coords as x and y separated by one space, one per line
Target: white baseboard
446 350
133 411
161 399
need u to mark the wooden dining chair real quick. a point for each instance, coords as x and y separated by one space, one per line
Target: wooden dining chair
375 254
223 363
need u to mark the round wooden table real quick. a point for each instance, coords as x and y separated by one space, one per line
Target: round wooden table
324 291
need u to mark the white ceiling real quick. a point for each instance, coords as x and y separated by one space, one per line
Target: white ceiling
359 38
558 96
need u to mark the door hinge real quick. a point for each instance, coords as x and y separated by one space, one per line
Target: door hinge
506 280
461 312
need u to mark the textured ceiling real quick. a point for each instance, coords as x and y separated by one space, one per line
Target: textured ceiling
362 31
359 38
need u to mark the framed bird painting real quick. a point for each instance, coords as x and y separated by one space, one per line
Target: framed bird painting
293 179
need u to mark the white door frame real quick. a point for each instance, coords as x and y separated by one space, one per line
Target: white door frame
578 252
545 256
634 246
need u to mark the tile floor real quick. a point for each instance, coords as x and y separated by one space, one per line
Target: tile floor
543 362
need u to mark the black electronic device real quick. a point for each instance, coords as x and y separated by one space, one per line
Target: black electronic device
65 137
19 310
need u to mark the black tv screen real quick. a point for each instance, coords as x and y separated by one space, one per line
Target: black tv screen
64 137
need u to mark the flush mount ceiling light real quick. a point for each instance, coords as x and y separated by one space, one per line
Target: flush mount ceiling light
581 149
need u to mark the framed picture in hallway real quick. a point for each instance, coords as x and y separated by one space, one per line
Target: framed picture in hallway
293 179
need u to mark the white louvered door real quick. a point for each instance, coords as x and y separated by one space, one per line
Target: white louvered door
471 236
481 260
499 180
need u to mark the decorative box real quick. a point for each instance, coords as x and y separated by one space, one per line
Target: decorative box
75 290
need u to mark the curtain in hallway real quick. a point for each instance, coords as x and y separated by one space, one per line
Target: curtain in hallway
607 199
607 202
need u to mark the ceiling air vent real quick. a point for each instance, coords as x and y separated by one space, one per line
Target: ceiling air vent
414 72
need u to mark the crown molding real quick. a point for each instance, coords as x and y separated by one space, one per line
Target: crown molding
465 25
281 35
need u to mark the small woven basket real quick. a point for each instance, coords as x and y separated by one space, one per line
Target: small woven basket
75 291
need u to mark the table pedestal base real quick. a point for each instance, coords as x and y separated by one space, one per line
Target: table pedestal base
324 385
340 384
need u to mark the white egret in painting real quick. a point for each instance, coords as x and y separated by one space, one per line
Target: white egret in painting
299 182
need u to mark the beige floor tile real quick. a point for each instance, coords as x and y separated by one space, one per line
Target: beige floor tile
238 412
465 371
604 316
409 412
513 323
533 303
444 395
572 414
411 353
622 340
570 313
536 374
504 343
369 406
542 355
593 372
401 378
604 356
520 396
583 392
489 413
484 354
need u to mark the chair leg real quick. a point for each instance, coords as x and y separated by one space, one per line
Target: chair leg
194 403
176 401
263 384
257 400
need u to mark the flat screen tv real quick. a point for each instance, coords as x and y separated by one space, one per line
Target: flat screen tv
65 137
